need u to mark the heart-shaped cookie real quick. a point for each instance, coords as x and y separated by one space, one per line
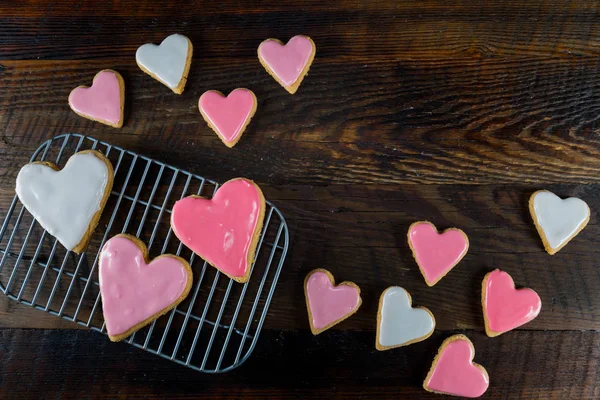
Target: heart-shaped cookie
557 220
436 253
134 291
228 116
328 304
169 63
68 202
504 307
103 101
288 63
398 323
224 230
453 371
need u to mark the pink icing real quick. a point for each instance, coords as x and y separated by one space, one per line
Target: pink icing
286 61
506 307
436 253
101 101
133 291
329 303
454 372
220 230
227 114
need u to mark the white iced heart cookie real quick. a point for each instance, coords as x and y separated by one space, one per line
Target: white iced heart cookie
169 62
398 323
68 202
557 220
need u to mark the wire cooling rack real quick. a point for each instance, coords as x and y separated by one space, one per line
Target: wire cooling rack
214 330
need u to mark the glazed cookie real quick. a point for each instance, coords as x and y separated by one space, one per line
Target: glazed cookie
67 203
328 304
169 63
557 220
453 371
288 63
436 253
398 323
504 307
103 101
228 116
134 291
224 230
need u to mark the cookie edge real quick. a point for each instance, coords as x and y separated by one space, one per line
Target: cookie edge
107 190
488 331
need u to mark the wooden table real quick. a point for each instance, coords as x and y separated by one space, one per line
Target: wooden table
452 112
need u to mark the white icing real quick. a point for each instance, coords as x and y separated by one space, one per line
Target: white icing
559 219
166 61
64 202
399 322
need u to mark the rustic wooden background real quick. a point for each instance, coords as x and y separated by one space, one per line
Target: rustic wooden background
450 111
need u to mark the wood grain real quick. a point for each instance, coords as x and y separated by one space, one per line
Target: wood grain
405 122
358 232
79 364
347 29
452 112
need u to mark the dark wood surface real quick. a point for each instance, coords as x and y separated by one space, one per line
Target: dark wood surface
291 365
453 112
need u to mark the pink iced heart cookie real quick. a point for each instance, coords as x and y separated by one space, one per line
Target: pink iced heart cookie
328 304
103 101
288 63
436 253
453 371
224 230
228 116
134 291
504 307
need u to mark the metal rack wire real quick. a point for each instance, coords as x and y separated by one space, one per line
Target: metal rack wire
214 330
